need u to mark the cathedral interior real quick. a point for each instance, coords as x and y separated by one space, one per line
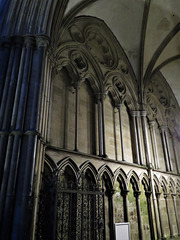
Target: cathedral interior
89 119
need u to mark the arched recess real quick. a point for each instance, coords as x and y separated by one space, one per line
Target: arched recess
156 183
120 100
89 166
120 196
64 131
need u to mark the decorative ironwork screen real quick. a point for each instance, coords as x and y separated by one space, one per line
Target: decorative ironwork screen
80 214
68 211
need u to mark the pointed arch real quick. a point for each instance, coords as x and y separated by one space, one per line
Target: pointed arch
133 179
127 85
89 166
121 177
163 184
50 163
171 185
68 162
144 179
156 183
106 171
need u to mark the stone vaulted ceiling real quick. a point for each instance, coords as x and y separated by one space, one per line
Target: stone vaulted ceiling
147 30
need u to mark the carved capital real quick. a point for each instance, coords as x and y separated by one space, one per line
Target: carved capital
166 195
42 40
143 113
137 194
158 194
124 193
173 195
119 106
151 124
77 85
134 113
163 128
29 40
100 96
148 194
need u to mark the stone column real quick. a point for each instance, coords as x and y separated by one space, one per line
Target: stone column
16 131
99 123
103 125
6 123
139 137
148 198
135 138
154 144
124 194
111 213
160 215
120 128
136 195
8 80
146 138
168 213
30 149
45 104
76 87
162 131
5 45
176 213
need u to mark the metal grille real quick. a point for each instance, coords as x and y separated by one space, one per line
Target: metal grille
80 214
70 212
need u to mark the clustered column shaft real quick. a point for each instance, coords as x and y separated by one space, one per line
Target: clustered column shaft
22 127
